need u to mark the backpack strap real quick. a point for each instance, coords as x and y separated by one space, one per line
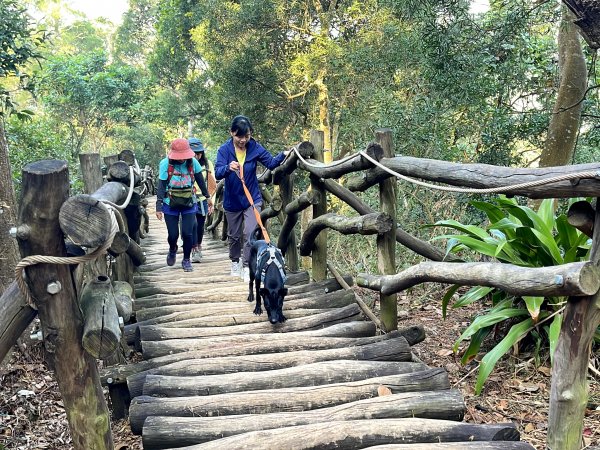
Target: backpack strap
171 171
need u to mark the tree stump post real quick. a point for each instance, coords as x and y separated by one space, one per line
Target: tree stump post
386 242
91 171
52 289
570 387
286 190
319 252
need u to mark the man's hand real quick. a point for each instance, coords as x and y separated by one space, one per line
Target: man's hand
159 215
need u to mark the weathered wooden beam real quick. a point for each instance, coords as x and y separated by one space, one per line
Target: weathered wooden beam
375 223
315 374
289 246
395 348
278 342
292 211
122 243
53 291
120 171
15 317
575 279
91 171
122 293
164 432
85 220
581 215
101 332
355 434
337 315
417 245
282 400
127 156
339 169
486 176
468 445
253 344
319 244
386 241
306 150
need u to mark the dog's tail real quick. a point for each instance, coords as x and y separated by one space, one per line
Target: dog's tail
256 235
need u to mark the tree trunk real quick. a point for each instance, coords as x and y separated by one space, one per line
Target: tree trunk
8 216
91 171
162 432
564 124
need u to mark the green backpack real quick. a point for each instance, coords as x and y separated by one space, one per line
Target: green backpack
180 198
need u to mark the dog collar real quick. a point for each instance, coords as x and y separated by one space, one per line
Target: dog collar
267 256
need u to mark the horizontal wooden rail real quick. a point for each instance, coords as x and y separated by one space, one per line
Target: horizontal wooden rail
574 279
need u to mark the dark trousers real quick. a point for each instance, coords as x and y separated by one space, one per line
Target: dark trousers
199 225
187 232
240 226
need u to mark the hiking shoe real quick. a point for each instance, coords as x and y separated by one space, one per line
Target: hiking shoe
235 268
245 275
187 265
196 256
171 256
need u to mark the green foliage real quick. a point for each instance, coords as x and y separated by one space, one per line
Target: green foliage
514 234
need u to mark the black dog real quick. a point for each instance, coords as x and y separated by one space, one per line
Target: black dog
267 266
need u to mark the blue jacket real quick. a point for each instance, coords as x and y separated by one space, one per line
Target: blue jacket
234 197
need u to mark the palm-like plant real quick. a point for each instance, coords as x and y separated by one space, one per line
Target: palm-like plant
517 235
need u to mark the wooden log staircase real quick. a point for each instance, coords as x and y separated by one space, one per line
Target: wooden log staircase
215 376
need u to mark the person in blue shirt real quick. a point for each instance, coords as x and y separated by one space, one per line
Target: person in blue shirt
241 151
177 200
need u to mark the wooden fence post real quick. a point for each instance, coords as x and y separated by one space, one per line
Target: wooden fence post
286 190
54 294
319 253
91 171
386 242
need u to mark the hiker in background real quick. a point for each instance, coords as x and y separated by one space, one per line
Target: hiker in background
204 209
237 158
176 199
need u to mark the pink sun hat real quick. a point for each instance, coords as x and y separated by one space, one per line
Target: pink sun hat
180 149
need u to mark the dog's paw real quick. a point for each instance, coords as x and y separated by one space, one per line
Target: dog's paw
258 310
283 318
250 298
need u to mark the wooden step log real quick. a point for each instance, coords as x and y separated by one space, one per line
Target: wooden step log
164 432
282 400
337 315
280 342
356 434
480 445
193 285
252 344
192 310
171 321
392 349
123 292
315 374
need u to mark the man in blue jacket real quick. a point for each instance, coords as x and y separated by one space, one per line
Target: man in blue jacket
236 158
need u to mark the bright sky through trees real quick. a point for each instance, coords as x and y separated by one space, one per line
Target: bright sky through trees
111 9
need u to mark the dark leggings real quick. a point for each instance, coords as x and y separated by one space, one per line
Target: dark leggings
187 232
199 226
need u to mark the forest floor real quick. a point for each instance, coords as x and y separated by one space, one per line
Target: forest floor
32 414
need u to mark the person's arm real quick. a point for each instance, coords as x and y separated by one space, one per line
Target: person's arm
267 160
161 191
222 165
202 185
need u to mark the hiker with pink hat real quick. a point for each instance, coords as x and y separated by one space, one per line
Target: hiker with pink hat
176 198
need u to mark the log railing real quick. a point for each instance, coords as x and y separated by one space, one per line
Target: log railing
377 166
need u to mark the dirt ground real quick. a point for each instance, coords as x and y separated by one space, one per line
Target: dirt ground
32 414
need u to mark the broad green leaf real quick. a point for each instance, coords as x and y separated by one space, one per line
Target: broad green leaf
472 243
474 345
546 212
567 234
516 333
533 306
493 213
447 297
548 241
489 319
554 334
472 295
471 230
